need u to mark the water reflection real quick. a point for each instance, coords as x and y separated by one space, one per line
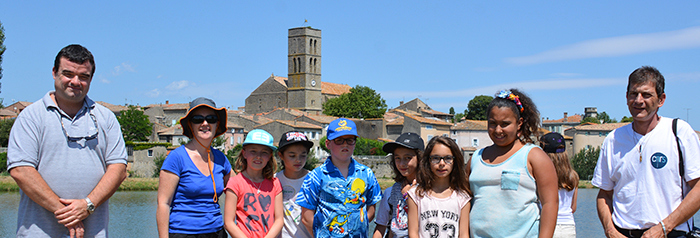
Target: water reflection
133 214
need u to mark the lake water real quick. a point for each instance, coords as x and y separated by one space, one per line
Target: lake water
132 214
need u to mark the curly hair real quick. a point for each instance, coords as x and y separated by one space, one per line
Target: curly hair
529 114
268 171
458 177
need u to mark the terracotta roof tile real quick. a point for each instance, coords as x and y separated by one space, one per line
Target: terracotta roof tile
5 112
112 107
230 124
297 124
334 88
170 106
433 112
599 127
428 120
173 130
570 119
321 118
466 125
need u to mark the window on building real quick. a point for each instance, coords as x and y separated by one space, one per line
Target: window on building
239 140
430 137
150 153
313 135
429 127
475 142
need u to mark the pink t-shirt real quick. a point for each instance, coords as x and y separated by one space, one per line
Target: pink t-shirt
255 212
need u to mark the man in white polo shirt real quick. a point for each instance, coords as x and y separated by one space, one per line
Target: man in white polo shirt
67 155
643 191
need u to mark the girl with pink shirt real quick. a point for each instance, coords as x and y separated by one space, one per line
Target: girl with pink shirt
254 196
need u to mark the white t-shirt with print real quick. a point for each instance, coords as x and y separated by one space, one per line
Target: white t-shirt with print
642 171
292 211
439 217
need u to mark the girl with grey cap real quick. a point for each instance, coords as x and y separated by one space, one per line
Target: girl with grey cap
567 179
193 177
392 214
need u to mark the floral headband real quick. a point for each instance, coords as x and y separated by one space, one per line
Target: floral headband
507 94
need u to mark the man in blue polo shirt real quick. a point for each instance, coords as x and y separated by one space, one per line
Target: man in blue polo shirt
338 197
67 155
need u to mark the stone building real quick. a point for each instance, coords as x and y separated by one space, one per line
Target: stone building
303 89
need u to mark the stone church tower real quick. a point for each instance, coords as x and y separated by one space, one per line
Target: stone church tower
304 69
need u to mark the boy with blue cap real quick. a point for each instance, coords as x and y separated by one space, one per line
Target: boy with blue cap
338 197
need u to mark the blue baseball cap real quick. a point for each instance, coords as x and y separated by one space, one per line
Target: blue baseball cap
260 137
341 127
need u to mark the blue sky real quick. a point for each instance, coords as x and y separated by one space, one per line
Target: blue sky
566 55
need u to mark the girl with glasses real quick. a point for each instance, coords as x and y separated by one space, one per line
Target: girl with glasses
193 177
513 177
439 205
393 208
254 197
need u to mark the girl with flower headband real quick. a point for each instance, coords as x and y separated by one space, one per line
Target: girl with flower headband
512 177
193 177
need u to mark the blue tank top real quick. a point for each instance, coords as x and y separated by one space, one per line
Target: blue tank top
505 200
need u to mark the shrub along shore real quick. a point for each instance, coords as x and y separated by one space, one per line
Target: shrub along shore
7 184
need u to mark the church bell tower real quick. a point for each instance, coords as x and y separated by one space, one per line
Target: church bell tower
304 69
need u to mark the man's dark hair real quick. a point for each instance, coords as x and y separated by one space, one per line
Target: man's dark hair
74 53
646 74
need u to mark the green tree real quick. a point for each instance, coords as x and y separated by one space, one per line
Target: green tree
2 49
476 109
5 127
158 161
457 117
452 110
590 119
627 119
3 162
232 154
584 162
218 142
135 124
361 102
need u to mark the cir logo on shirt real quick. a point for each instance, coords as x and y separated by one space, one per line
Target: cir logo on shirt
658 160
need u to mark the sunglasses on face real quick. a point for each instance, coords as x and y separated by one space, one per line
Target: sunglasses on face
435 159
199 119
340 141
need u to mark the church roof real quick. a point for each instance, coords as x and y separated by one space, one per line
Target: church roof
334 88
326 87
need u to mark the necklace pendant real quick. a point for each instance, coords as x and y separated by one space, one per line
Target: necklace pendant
258 191
640 158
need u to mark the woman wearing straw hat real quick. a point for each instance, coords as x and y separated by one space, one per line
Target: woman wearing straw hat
193 177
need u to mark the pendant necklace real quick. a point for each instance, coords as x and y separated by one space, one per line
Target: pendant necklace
256 186
639 141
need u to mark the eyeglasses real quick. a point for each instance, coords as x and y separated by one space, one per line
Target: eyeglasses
434 159
74 138
340 141
199 119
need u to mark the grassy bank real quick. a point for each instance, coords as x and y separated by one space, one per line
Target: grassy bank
7 184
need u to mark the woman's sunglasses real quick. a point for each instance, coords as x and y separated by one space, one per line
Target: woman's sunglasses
199 119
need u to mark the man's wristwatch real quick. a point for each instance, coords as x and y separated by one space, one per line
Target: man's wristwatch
90 206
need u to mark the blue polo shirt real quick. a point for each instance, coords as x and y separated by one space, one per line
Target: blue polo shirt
340 203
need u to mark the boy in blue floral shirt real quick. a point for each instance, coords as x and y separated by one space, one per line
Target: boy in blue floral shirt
338 197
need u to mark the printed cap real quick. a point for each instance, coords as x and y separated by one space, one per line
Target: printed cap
341 127
260 137
293 137
553 143
409 140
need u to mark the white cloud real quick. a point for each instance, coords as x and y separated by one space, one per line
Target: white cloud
549 84
153 93
124 67
177 85
616 46
104 80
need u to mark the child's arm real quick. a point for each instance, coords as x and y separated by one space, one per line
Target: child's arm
370 213
379 231
307 218
277 225
573 200
412 218
464 221
546 182
230 215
